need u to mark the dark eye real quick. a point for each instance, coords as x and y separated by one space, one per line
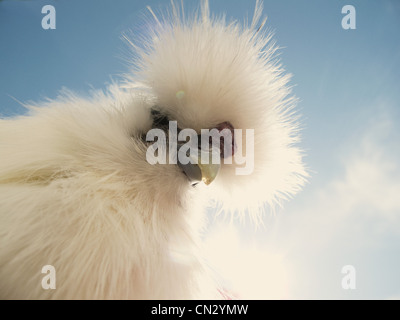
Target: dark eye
159 120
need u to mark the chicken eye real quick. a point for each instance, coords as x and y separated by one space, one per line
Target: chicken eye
159 120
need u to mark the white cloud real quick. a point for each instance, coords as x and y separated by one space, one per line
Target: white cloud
352 217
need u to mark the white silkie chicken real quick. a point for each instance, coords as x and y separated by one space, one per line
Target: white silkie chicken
79 189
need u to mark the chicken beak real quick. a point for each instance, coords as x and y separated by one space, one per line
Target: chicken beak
197 170
209 170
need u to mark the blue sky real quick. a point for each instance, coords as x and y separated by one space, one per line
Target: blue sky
347 82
